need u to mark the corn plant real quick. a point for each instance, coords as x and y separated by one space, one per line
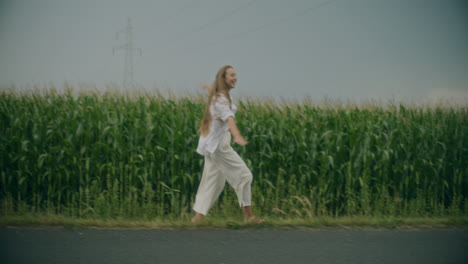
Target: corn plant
110 154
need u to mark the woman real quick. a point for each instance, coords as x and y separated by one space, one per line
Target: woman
222 163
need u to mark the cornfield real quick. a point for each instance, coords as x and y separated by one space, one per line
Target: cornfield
108 155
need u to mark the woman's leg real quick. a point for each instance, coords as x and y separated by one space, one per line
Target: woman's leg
239 177
249 217
211 186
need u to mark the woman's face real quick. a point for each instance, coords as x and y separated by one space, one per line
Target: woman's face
231 78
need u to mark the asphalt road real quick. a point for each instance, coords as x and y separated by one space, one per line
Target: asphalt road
233 246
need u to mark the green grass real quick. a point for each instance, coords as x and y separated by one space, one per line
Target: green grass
352 222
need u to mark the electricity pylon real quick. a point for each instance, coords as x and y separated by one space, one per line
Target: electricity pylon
129 49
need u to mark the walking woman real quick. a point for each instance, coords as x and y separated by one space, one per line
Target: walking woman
222 163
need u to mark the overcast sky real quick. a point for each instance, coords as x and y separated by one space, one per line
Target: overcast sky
341 49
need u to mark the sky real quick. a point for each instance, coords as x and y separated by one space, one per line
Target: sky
347 50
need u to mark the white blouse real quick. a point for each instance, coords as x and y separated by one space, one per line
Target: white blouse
220 112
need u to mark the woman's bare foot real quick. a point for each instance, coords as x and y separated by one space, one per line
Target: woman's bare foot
197 218
254 219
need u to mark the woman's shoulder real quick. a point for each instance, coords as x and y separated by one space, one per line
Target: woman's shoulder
221 98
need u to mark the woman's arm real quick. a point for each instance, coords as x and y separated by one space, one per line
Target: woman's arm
238 139
206 86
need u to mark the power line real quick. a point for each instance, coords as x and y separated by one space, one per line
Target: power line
221 17
274 22
216 20
178 12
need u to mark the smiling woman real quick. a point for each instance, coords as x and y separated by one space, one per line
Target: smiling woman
222 163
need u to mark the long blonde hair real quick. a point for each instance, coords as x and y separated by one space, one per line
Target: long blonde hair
219 87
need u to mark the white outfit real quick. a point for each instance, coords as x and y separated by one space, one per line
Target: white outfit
222 163
220 112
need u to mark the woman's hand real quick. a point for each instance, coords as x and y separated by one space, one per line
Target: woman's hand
206 86
240 141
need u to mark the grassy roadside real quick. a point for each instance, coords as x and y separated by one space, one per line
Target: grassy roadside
354 222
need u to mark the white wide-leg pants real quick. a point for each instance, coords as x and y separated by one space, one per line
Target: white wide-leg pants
220 166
